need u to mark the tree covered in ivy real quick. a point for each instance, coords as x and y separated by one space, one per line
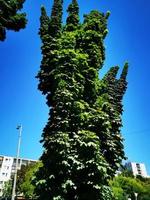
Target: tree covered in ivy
10 19
82 141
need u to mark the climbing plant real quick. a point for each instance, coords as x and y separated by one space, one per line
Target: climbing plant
82 141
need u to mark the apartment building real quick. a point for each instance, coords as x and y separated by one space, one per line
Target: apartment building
8 166
137 168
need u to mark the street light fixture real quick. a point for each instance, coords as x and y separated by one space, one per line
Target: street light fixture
136 194
16 167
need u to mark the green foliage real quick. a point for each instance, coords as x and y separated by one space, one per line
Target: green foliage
116 88
125 186
24 179
56 18
21 176
7 189
44 19
83 146
118 193
10 19
127 173
72 21
27 186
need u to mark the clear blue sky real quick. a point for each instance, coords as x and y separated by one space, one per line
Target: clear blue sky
21 102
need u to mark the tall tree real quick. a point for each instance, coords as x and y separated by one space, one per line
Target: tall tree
10 19
82 139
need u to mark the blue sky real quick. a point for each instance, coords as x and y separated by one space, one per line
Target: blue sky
21 102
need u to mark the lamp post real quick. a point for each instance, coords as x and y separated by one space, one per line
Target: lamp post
136 194
19 128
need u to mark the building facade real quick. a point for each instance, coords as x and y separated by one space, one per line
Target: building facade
137 169
8 166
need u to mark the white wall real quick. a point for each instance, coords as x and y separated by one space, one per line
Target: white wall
5 171
7 168
139 169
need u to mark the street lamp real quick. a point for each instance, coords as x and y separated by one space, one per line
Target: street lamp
16 167
136 194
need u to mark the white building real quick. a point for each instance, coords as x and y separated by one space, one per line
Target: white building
7 168
137 168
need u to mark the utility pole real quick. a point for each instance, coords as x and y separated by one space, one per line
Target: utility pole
16 167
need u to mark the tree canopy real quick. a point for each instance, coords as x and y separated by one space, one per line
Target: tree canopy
10 18
82 141
26 182
125 186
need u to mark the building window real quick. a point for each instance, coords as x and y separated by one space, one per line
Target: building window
137 165
1 158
